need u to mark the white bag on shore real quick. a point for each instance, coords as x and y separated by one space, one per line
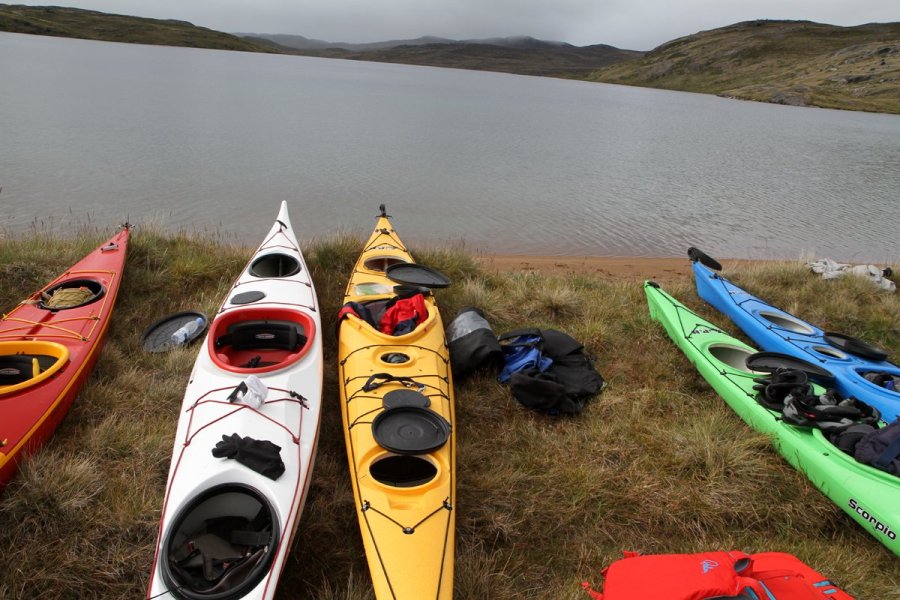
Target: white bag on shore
830 269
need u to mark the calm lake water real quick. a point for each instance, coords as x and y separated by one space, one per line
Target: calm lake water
199 139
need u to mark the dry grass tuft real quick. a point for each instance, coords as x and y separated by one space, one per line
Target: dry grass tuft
657 463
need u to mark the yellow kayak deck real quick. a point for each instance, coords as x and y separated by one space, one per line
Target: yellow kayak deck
405 501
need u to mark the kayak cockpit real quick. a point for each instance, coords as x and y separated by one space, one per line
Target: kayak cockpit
221 544
380 263
403 471
27 363
260 339
395 315
275 265
733 356
884 379
787 322
71 293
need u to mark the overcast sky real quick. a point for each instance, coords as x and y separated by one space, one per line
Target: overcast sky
631 24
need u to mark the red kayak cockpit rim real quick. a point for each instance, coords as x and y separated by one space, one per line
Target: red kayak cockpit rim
260 339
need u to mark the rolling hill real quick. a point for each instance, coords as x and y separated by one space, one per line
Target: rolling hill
92 25
788 62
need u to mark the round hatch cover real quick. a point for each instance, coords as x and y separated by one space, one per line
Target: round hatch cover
770 361
417 275
410 430
248 297
398 398
158 337
856 346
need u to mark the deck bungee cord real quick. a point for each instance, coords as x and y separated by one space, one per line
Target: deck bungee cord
702 327
784 332
292 397
409 530
56 330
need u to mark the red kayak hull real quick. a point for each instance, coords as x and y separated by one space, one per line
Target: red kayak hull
29 416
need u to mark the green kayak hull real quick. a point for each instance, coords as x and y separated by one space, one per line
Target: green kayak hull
869 496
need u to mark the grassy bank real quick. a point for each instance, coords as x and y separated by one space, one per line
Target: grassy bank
786 62
657 463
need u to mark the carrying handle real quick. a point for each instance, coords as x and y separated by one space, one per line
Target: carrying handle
373 384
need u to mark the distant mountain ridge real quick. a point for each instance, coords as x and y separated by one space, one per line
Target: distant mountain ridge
517 54
788 62
299 42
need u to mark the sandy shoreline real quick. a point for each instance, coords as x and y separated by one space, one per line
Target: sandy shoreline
636 268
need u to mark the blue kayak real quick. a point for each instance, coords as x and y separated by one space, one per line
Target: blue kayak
848 359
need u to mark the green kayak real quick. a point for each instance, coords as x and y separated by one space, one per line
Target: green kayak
870 496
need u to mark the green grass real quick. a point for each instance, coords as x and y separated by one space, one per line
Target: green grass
657 463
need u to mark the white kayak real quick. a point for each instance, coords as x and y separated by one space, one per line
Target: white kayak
228 519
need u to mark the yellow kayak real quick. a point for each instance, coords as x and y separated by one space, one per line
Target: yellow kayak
397 412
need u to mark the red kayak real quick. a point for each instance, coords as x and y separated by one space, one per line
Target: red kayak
49 344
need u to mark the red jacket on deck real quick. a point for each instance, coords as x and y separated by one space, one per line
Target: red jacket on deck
404 315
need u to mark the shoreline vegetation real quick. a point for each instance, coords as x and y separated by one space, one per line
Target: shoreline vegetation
657 463
798 63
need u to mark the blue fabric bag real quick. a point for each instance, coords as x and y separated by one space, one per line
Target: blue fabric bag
522 349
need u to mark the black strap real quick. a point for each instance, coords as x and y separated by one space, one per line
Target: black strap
775 388
520 332
889 454
250 538
241 388
372 384
252 364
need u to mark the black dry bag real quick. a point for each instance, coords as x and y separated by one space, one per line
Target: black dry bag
473 345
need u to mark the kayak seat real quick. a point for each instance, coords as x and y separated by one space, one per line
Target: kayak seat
220 555
259 339
255 335
17 368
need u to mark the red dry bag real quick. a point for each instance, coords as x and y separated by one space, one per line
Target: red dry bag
714 576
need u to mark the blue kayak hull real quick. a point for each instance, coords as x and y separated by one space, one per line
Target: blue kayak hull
777 331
